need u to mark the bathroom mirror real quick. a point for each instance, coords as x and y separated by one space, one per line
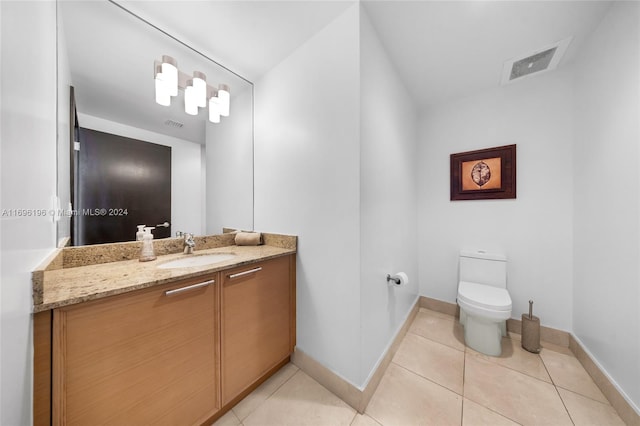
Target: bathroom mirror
106 56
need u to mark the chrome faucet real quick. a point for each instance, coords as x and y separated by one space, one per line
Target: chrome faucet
189 243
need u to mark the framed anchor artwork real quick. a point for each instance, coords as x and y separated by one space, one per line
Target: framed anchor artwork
484 174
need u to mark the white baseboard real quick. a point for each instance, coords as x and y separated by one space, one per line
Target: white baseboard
356 396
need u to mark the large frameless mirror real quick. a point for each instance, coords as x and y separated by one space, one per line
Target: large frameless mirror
129 155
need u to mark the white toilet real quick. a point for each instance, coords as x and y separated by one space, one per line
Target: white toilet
484 301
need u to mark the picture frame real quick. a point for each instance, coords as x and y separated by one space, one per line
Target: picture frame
485 174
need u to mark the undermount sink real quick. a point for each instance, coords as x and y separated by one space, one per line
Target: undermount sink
197 260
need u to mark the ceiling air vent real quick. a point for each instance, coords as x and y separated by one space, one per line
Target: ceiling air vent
172 123
545 59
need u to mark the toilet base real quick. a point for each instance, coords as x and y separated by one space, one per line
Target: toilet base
483 335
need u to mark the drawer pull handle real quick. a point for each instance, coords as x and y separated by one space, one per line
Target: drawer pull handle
188 288
240 274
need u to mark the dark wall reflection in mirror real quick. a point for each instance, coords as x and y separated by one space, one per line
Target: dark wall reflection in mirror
107 109
131 177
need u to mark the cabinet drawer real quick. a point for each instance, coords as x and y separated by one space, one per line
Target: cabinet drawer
147 357
256 322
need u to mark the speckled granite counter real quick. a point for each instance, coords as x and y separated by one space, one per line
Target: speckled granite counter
55 285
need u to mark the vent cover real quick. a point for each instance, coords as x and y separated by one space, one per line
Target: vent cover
545 59
172 123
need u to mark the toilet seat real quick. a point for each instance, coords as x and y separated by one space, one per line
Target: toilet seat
484 298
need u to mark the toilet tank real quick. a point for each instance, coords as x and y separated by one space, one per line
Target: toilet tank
482 267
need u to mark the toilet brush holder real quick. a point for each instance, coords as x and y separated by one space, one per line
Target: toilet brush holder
531 331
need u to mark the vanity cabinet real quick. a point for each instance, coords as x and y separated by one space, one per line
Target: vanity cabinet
258 322
175 354
145 357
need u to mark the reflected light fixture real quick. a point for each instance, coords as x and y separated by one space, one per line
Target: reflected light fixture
197 93
214 109
224 99
190 99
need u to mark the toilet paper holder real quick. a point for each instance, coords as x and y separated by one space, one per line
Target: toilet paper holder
396 280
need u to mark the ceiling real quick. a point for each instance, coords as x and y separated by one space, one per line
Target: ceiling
250 37
111 52
449 49
442 50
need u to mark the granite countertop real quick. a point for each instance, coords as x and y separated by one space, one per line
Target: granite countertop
66 286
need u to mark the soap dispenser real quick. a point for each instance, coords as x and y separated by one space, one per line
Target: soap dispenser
147 252
140 232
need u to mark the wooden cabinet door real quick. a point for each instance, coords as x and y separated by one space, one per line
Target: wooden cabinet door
146 357
257 322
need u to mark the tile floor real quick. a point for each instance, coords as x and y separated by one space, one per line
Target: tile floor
435 380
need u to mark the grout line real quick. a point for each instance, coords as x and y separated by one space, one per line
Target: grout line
433 340
480 355
564 405
586 396
427 379
436 341
267 398
494 411
439 343
576 391
477 402
376 420
555 386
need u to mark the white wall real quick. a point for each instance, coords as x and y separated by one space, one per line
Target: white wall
307 183
187 192
606 188
28 181
388 198
229 156
534 230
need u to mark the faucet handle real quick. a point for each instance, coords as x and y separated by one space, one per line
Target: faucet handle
179 233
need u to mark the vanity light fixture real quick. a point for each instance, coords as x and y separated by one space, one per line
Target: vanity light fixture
224 97
197 93
190 99
200 88
214 109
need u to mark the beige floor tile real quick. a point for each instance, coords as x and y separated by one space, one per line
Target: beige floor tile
438 329
301 401
515 395
515 357
476 415
264 391
432 360
585 411
404 398
229 419
437 314
567 372
364 420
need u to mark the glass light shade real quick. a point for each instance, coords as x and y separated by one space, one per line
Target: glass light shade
170 78
162 96
190 104
200 86
214 110
224 97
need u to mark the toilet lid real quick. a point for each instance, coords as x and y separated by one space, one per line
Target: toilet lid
484 296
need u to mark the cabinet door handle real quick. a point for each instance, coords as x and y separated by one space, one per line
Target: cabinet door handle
240 274
188 288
